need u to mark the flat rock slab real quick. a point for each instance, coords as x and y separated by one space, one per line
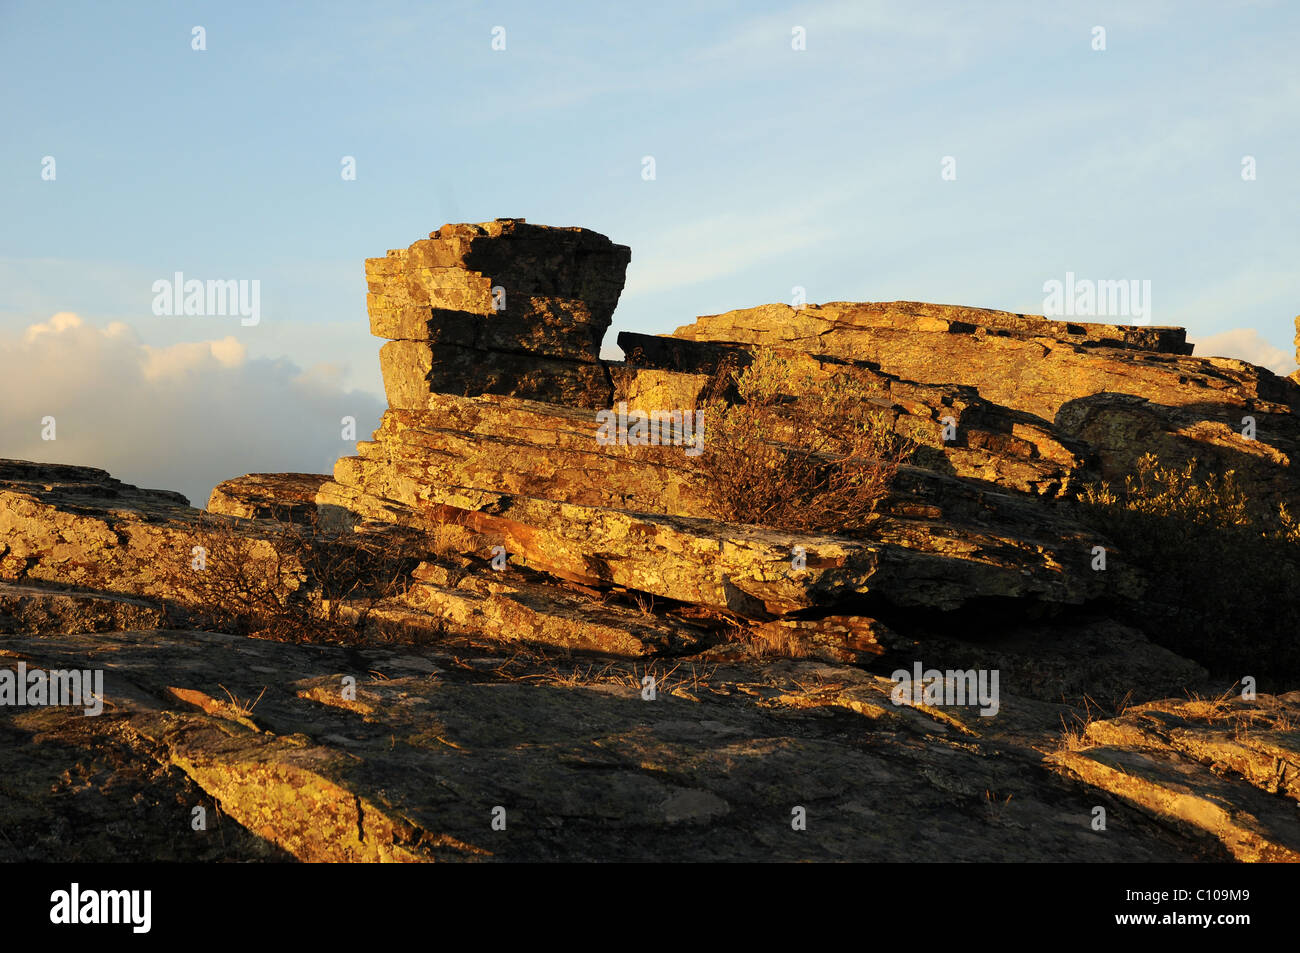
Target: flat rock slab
37 610
1036 369
748 569
431 746
285 496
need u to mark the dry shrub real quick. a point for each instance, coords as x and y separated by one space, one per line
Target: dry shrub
770 641
1223 572
1215 499
290 584
783 448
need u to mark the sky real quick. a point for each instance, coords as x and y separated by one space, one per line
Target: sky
956 153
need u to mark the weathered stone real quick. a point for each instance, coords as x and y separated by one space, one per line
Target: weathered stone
77 526
747 570
547 327
1035 366
413 370
852 639
37 610
81 528
510 607
283 496
1176 760
458 272
1122 428
992 443
560 578
410 768
501 444
498 308
825 329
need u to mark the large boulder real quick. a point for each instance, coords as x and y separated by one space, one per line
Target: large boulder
503 307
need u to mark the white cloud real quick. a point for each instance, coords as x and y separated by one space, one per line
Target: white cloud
60 322
1245 344
183 416
178 360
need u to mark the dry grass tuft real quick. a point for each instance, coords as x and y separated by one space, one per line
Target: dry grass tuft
294 583
1208 709
1074 732
784 449
244 709
768 641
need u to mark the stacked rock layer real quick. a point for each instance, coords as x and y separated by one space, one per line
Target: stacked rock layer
491 436
526 538
499 308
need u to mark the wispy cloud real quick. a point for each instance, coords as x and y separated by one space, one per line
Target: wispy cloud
1245 344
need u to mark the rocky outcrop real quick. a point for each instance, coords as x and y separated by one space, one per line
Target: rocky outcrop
498 308
992 443
1012 414
79 527
1295 375
670 672
1218 409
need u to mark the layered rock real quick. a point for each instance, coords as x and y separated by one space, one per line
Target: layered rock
992 443
498 308
1009 412
283 496
1295 375
1218 409
83 552
495 476
79 527
411 766
552 577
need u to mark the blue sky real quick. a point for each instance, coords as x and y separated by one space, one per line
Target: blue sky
775 168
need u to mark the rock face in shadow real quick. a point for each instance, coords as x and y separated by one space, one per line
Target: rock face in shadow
575 639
